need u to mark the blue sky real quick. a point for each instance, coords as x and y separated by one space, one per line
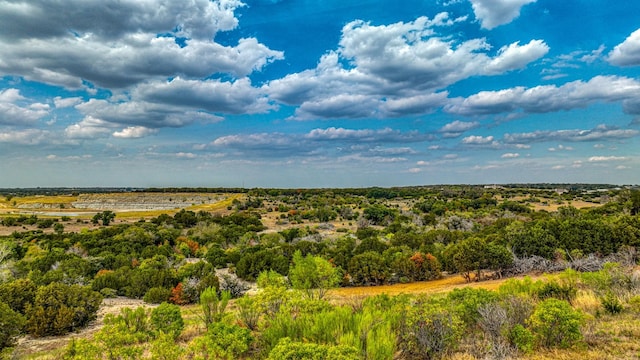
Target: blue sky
301 93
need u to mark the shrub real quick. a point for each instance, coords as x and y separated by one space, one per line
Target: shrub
223 341
59 309
18 293
11 324
552 289
430 331
157 295
555 323
521 338
611 304
291 350
109 293
167 318
213 307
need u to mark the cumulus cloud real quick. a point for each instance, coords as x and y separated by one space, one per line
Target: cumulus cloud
606 158
548 98
369 143
134 132
477 140
61 102
457 128
115 44
24 137
493 13
88 128
599 133
394 70
628 52
365 135
216 96
514 56
15 109
142 113
510 155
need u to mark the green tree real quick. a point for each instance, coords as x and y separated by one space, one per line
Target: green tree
11 324
313 274
469 257
368 268
106 217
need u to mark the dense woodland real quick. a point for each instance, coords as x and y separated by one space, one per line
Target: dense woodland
53 282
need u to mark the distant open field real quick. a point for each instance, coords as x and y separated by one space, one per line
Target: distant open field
129 207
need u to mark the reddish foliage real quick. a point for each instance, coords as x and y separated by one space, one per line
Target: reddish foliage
177 295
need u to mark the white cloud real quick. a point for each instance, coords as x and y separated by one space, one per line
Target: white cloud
15 109
142 113
184 155
134 132
61 102
493 13
115 44
628 52
477 140
88 128
393 70
457 127
606 158
237 97
548 98
24 137
514 56
598 134
510 155
560 148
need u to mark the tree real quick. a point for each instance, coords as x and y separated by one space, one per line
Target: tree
11 324
106 217
368 268
59 309
468 256
313 274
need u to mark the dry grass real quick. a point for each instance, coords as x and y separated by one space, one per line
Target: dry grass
59 199
588 302
448 283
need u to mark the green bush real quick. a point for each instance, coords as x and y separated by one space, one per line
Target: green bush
157 295
611 303
168 319
59 309
11 324
223 341
521 338
291 350
18 294
109 293
555 323
552 289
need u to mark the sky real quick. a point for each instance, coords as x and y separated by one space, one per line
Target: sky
329 93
